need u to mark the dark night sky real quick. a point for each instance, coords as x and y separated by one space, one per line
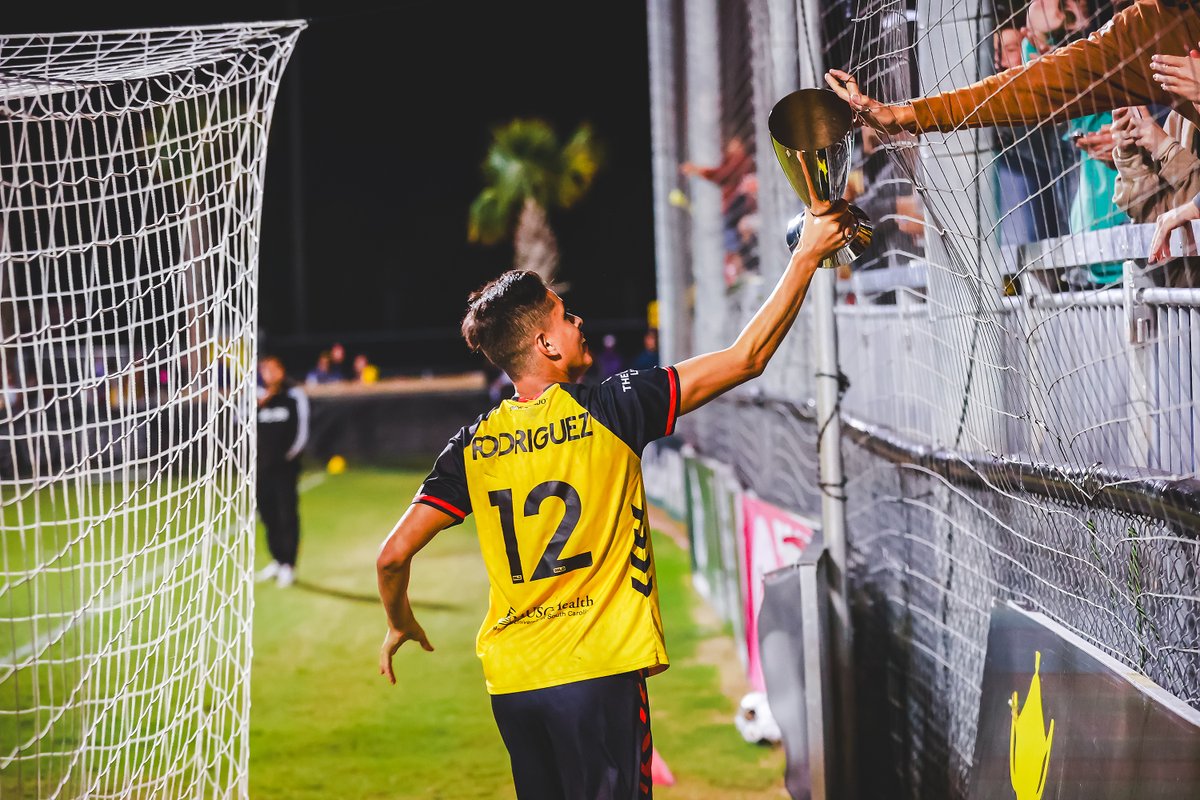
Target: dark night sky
396 105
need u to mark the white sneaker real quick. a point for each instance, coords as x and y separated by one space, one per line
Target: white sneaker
268 572
285 577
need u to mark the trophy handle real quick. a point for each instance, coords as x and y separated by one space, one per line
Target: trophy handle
864 232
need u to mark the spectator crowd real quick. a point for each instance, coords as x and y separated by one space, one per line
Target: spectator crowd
332 367
737 179
1133 163
1093 105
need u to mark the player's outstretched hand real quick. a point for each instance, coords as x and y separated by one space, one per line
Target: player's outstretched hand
1178 217
827 233
888 119
391 643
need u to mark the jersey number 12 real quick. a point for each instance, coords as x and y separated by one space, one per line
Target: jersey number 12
549 566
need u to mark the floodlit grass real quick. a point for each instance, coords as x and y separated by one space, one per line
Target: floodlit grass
325 725
139 557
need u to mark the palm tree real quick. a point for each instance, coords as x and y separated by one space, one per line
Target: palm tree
527 174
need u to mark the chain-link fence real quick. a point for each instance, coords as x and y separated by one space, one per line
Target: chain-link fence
1019 418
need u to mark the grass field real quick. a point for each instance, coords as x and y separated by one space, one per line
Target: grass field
325 725
94 702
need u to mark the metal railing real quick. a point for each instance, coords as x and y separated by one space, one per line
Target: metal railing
1011 428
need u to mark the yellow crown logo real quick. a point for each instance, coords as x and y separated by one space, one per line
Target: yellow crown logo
1029 741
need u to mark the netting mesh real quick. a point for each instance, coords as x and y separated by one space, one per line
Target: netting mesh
1019 401
131 169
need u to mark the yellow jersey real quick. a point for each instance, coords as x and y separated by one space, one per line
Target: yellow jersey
555 483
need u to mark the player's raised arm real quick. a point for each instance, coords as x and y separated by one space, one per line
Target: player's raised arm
707 376
415 529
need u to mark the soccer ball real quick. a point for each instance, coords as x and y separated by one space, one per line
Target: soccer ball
755 721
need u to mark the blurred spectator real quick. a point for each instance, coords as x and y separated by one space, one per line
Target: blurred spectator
1108 69
1052 23
739 197
736 164
322 372
500 387
648 358
881 187
608 360
1036 185
1094 205
1006 47
1093 208
1158 168
282 432
364 370
890 200
127 386
1181 77
747 225
1056 23
338 363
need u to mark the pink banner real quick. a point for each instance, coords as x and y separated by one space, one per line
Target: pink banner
772 538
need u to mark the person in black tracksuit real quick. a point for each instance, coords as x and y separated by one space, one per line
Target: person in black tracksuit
282 433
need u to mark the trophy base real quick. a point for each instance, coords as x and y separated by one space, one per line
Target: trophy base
864 231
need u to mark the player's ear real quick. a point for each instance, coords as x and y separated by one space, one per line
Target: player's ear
545 347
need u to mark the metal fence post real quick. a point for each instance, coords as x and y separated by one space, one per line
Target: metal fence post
822 296
705 147
1139 333
671 267
777 75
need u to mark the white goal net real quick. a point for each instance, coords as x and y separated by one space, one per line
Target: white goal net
131 175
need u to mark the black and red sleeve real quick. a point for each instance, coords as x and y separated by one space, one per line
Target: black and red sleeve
445 488
638 405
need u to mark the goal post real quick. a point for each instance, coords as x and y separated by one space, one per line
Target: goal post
131 177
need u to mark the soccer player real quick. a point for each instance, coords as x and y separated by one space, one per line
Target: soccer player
554 478
282 434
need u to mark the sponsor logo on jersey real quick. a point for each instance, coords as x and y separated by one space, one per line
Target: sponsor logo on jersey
567 429
568 608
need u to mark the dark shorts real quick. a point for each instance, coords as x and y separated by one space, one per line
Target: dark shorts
588 740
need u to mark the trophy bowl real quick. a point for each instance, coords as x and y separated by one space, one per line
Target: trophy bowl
811 130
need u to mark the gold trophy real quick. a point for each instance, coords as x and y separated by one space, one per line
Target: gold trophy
811 131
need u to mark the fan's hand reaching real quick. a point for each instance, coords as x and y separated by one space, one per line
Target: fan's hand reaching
1179 75
1098 144
1179 217
1134 128
885 118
